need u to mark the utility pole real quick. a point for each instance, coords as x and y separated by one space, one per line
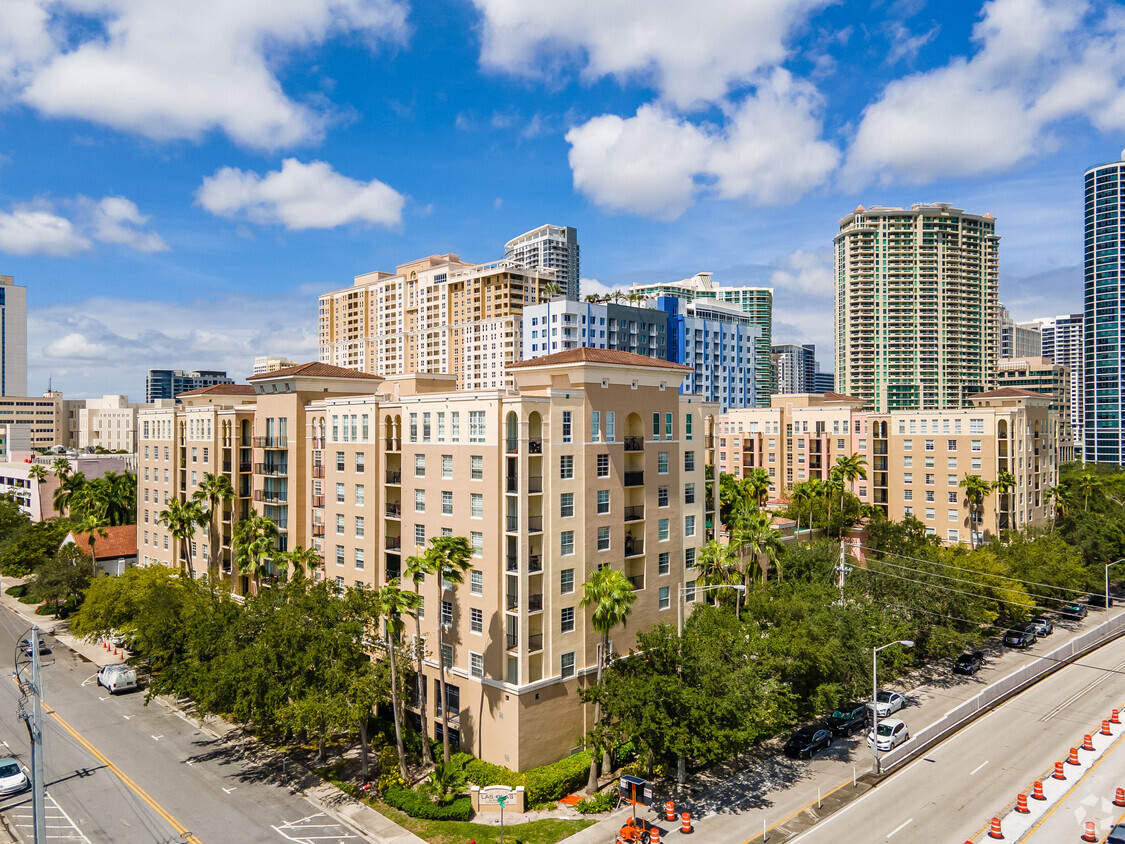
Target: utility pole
34 722
842 570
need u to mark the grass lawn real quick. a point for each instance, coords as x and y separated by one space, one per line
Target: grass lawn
546 831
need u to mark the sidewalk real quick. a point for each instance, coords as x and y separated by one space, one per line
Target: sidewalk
360 817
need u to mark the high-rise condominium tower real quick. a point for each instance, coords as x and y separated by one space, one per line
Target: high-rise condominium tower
917 308
796 368
13 338
552 248
755 301
1062 344
1104 417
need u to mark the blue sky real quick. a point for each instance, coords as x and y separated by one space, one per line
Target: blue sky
179 180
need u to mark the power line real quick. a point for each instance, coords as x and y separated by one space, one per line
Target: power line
975 583
944 588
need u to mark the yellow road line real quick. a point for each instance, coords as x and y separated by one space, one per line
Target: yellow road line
183 831
790 817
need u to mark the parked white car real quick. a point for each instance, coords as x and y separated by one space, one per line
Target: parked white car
888 703
892 733
13 779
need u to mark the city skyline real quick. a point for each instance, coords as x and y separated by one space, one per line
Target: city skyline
140 223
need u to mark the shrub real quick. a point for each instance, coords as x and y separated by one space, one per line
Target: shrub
17 591
542 785
418 806
602 802
389 775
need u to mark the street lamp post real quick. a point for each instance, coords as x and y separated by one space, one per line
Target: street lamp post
682 591
906 643
1107 568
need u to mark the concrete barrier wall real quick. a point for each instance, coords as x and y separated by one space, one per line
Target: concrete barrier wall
1002 689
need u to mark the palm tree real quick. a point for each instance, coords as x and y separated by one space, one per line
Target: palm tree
182 518
301 559
393 604
757 539
68 486
1059 496
976 490
611 595
121 497
716 565
417 569
1087 485
254 540
757 483
1005 482
851 468
38 472
830 487
95 525
451 557
815 486
213 491
801 494
550 289
61 468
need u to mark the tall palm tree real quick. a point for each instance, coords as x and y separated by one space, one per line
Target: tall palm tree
851 468
38 472
611 595
418 568
834 484
976 490
213 491
717 566
1059 496
801 495
1087 485
757 540
68 486
94 524
254 540
815 486
182 518
1005 482
301 559
61 467
550 289
393 604
757 483
451 557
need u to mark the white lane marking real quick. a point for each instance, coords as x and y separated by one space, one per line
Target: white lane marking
232 788
127 717
978 767
308 831
157 738
901 828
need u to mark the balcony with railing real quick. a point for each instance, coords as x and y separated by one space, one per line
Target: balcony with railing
634 479
634 443
272 469
634 547
513 484
394 476
535 484
513 563
534 564
513 524
513 602
271 496
394 543
535 446
513 641
534 524
394 510
513 446
534 643
535 603
245 467
637 581
394 443
227 466
635 513
271 442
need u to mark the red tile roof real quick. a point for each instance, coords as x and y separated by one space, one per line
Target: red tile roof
119 541
221 390
830 396
1009 393
316 369
584 354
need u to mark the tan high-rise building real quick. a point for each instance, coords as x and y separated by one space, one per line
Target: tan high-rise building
435 315
592 459
917 307
1040 375
915 459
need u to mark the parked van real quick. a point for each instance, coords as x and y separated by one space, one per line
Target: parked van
118 678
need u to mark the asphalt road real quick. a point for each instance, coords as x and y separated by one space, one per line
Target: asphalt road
952 791
120 771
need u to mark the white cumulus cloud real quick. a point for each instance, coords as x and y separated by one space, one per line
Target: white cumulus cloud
690 52
39 228
178 69
656 163
1037 62
300 196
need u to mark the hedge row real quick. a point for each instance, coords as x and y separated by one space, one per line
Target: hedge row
419 806
542 785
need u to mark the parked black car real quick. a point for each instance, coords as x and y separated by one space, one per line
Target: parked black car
1075 612
807 742
968 663
1019 638
848 718
1098 600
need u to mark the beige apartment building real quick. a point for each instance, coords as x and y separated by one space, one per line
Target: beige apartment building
1041 375
917 308
438 314
593 458
915 459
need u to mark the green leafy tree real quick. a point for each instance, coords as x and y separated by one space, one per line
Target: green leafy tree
611 596
182 518
213 492
65 576
255 541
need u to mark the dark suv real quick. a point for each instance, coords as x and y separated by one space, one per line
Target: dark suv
848 719
968 663
1020 638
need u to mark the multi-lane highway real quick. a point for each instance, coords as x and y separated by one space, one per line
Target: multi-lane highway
956 787
120 771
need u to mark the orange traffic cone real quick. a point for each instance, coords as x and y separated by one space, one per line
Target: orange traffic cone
670 812
1058 774
1119 799
1087 742
1038 794
1105 729
1021 804
995 831
1090 835
1073 758
685 824
1113 719
654 836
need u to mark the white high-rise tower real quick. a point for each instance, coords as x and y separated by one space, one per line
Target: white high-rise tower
13 338
549 247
